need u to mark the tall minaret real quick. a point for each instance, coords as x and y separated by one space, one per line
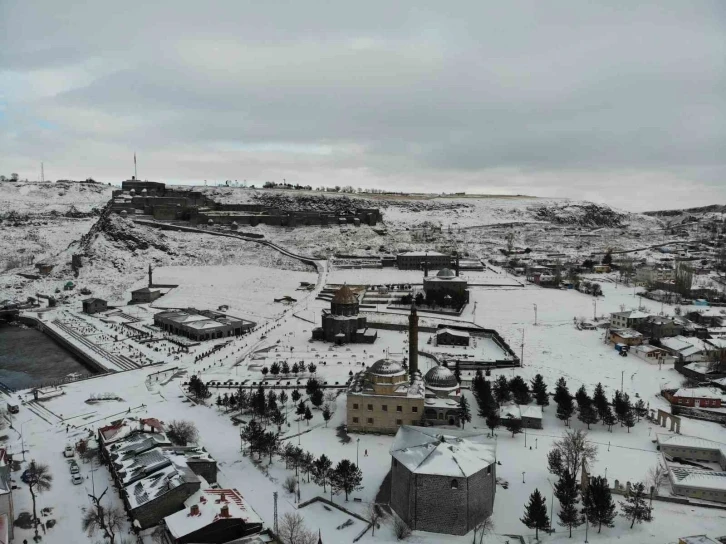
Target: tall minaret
413 342
456 264
150 282
426 264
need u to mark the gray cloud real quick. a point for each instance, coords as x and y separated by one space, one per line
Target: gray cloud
616 103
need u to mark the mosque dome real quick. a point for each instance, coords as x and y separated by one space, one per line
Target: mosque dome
440 377
345 295
386 367
446 273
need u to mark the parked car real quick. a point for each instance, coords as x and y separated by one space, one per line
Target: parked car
76 479
68 452
13 408
74 467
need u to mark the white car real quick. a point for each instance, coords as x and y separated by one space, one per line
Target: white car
68 452
74 467
76 479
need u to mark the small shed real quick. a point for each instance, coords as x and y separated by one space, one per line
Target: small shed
94 305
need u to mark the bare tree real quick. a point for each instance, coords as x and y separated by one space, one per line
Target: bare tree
373 515
400 529
482 529
290 484
107 520
292 530
572 450
182 433
656 476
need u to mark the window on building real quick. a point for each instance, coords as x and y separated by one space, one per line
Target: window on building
355 420
399 422
441 416
399 408
489 470
385 407
454 484
355 406
414 409
370 421
370 407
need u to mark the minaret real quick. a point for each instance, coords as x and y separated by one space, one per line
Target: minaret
413 342
150 282
456 264
426 264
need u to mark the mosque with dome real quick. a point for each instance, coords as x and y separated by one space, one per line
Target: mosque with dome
388 394
447 287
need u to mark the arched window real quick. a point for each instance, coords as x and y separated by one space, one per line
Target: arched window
454 484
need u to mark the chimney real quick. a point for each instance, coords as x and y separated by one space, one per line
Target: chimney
194 510
413 343
224 512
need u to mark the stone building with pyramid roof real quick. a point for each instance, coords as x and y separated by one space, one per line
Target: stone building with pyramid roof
343 324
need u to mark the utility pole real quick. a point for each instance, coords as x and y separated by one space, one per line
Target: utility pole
274 497
42 172
594 309
535 314
136 174
521 359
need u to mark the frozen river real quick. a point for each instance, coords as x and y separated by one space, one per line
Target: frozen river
29 358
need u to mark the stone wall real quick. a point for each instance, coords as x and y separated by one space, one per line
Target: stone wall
439 508
384 421
402 491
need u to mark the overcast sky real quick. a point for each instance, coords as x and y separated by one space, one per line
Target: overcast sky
622 102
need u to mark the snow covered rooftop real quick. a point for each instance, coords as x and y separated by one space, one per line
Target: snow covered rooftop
518 411
427 450
206 507
698 392
697 539
702 479
159 483
122 428
680 440
627 333
453 332
685 345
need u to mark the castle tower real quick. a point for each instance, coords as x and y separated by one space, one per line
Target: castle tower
413 342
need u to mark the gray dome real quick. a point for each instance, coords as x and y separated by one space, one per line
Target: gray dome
446 273
386 367
440 376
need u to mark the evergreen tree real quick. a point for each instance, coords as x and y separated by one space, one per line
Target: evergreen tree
600 401
493 421
598 504
483 395
312 367
588 415
635 507
457 372
285 368
501 390
629 419
539 390
582 398
566 492
282 397
317 398
561 391
640 409
295 395
308 415
312 386
275 368
300 411
609 419
520 390
327 414
464 411
565 409
321 470
346 477
513 425
535 513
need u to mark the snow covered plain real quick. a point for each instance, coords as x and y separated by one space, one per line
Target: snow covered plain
117 261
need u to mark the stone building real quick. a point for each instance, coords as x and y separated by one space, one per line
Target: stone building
452 337
343 324
442 397
145 295
420 260
202 325
446 287
94 305
442 481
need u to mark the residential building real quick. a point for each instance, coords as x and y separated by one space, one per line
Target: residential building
680 446
657 327
442 481
212 516
696 483
7 511
94 305
628 337
687 349
695 397
697 539
628 319
708 317
651 354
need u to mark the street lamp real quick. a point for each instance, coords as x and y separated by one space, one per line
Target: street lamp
22 441
357 449
535 313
